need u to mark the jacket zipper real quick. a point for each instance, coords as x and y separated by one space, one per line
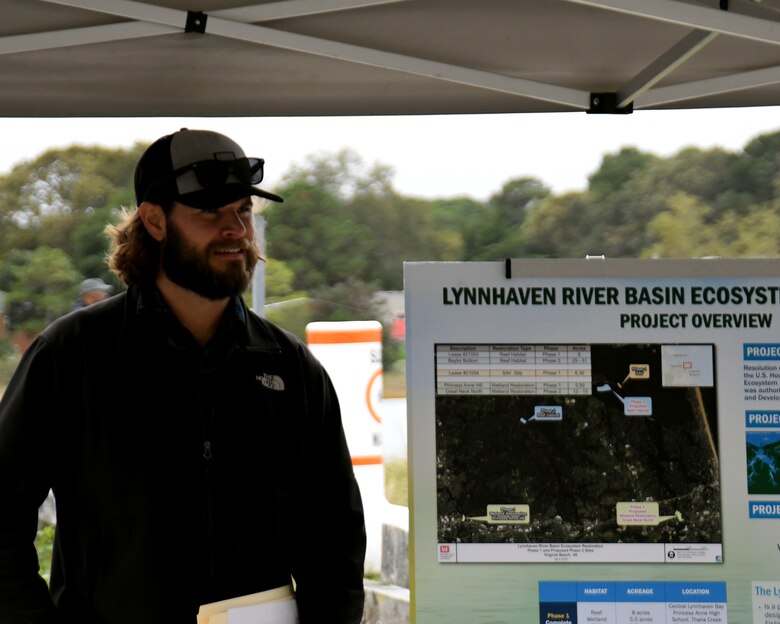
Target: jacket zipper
208 455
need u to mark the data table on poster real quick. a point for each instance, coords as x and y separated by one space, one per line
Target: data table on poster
513 369
632 602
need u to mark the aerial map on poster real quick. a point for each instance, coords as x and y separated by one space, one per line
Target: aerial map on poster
626 432
594 441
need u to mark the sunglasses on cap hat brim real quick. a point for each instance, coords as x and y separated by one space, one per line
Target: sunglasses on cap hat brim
213 177
211 173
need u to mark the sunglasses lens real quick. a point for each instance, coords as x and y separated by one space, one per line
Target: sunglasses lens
212 173
255 170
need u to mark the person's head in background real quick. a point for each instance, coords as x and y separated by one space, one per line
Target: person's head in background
91 291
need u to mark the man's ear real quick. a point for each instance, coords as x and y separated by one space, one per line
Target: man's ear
153 218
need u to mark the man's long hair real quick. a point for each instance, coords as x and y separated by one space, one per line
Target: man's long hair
135 255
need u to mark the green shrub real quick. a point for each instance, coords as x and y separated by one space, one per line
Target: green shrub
44 544
9 359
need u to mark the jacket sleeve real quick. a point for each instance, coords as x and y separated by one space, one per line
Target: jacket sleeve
25 453
331 545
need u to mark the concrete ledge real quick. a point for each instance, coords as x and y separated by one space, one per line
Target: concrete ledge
387 600
385 604
395 555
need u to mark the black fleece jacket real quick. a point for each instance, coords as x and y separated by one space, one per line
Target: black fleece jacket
182 475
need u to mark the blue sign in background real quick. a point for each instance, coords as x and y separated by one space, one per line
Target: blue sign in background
764 509
756 419
761 351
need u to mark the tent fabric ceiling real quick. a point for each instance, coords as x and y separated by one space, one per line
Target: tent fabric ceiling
230 58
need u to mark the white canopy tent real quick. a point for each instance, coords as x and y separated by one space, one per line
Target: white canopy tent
233 58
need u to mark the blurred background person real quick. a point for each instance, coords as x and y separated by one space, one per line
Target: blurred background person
91 291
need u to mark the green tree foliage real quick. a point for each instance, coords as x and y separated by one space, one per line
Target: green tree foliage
754 235
350 300
292 314
759 168
400 229
355 300
313 233
63 199
684 230
679 231
341 222
501 234
639 205
89 243
616 170
279 278
41 286
709 176
338 174
344 230
557 227
462 218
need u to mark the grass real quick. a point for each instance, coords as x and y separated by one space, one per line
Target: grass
396 475
394 382
396 482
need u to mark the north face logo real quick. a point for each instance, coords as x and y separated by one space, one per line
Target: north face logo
271 382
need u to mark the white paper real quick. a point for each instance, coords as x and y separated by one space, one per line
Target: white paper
276 612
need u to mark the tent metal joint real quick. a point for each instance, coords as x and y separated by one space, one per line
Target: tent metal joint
196 22
607 104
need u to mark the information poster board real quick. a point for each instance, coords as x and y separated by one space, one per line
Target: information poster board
594 441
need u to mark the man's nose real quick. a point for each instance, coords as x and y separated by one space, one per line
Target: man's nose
233 224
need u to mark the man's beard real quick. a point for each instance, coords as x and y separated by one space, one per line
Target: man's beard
189 268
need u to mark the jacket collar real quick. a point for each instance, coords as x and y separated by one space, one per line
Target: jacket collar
147 314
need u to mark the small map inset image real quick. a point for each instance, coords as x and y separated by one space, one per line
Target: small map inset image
763 462
578 444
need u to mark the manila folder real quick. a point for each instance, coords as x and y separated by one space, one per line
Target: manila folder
275 606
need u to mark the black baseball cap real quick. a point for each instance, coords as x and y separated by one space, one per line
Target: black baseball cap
198 168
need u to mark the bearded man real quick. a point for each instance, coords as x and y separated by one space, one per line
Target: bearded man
195 450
